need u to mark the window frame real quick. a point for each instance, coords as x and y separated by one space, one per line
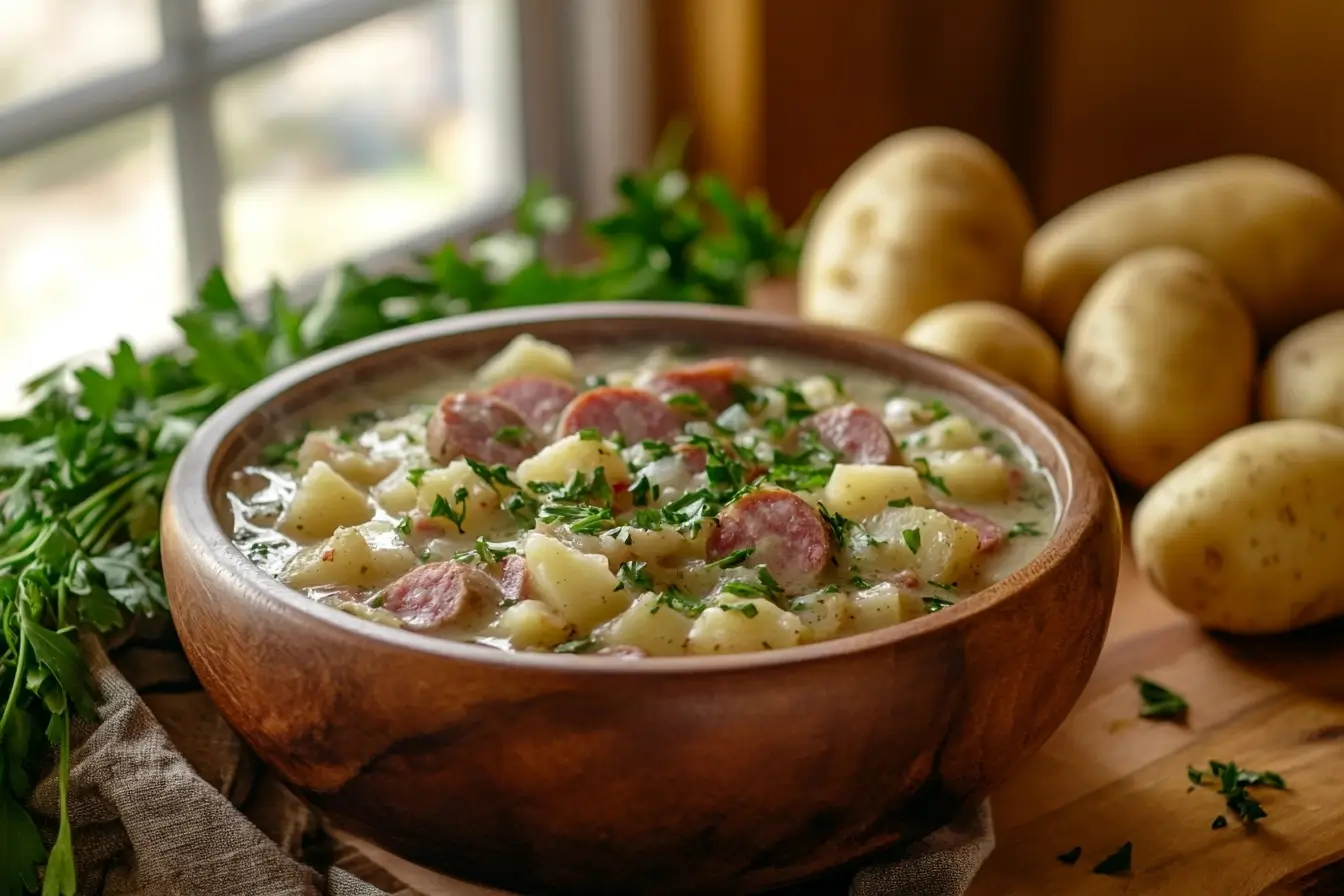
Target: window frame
193 62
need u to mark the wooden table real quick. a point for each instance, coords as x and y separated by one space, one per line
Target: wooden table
1107 776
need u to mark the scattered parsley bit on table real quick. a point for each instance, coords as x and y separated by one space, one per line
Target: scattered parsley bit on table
1219 822
1159 702
1117 862
1232 783
1072 856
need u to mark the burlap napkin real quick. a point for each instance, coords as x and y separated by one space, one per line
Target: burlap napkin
166 801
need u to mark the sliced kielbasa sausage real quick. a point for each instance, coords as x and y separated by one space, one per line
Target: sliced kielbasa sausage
991 534
854 431
448 593
786 534
484 428
513 578
539 399
632 413
712 380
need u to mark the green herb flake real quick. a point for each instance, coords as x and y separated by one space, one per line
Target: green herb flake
1117 862
1024 528
456 515
404 525
632 574
590 435
1072 856
937 410
1219 823
859 582
511 435
594 381
746 609
911 537
415 475
580 645
900 502
934 604
736 558
922 470
690 403
941 586
1159 702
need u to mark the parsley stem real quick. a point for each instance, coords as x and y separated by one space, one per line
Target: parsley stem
20 667
102 493
29 551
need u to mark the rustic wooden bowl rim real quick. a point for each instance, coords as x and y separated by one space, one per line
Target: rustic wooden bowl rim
201 531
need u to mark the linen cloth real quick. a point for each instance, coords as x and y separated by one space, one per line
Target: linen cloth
165 800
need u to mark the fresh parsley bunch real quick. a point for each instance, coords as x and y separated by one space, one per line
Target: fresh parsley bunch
83 472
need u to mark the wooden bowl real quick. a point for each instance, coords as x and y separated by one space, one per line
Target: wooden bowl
555 773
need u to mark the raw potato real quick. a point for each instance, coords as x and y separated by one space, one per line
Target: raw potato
1304 376
861 490
947 547
560 460
579 586
527 356
928 217
718 630
1273 230
995 336
655 629
322 503
1248 535
1159 362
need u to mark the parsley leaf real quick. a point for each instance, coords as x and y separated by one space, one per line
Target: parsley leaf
580 645
456 515
511 435
922 470
1219 822
733 559
900 502
632 575
937 410
934 604
1072 856
1117 862
680 602
486 552
1024 528
690 403
1158 701
937 584
414 475
747 610
911 537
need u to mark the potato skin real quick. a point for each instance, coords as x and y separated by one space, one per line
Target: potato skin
1304 375
927 217
1274 231
995 336
1159 362
1248 535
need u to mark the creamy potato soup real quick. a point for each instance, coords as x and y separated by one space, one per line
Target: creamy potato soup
645 502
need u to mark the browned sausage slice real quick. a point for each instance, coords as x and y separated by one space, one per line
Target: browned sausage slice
991 534
442 594
712 380
513 578
539 399
787 535
482 427
633 413
854 431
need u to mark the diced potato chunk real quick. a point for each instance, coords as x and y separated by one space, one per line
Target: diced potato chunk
527 356
323 502
368 556
820 392
738 630
877 607
946 547
485 512
580 586
949 434
396 493
350 461
656 629
822 614
560 460
861 490
532 624
977 474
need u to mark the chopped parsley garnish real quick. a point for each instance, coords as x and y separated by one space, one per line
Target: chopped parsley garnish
281 453
1232 783
522 508
837 383
594 381
937 410
690 403
1024 528
1117 862
1219 822
486 552
441 508
404 525
734 559
590 435
922 470
767 586
859 582
934 604
911 537
1071 856
837 523
579 489
632 575
414 475
900 502
795 405
679 601
511 435
493 476
937 584
1195 775
582 519
581 645
655 449
1158 701
746 609
641 491
746 396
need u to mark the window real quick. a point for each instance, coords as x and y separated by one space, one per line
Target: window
143 141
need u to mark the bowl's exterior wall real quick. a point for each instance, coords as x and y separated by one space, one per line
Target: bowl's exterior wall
584 782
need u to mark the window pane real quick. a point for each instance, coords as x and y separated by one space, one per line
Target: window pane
91 248
221 15
47 45
350 145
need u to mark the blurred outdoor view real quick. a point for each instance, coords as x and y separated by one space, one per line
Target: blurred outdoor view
331 152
